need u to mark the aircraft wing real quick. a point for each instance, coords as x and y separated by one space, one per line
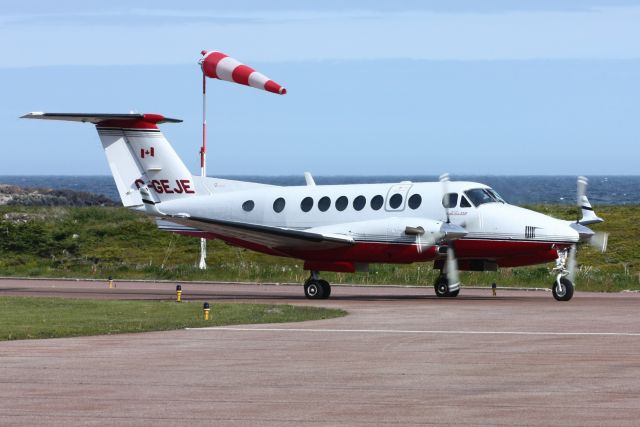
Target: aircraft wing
277 238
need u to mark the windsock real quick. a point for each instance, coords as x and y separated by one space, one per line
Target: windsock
217 65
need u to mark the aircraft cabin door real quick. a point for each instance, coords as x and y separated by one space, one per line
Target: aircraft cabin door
397 197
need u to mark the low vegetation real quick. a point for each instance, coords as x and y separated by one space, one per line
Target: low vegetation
27 318
97 242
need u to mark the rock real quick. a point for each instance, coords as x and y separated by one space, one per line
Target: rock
14 195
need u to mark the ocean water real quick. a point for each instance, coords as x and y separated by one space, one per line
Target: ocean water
517 190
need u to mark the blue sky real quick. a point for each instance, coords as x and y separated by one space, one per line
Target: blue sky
374 88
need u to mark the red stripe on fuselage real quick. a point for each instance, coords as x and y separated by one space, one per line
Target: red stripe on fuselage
494 249
505 253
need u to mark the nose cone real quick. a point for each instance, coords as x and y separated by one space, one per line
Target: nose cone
512 222
584 233
452 231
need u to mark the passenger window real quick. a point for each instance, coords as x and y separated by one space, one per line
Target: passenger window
450 200
324 204
248 206
464 203
395 201
342 202
306 204
415 201
376 202
359 202
278 204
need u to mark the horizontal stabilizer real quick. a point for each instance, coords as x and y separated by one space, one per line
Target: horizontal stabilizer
100 118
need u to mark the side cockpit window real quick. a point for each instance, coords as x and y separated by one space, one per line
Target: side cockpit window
464 203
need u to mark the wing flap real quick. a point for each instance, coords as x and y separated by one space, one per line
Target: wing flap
277 238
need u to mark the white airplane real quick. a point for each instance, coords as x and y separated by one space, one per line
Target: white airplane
343 228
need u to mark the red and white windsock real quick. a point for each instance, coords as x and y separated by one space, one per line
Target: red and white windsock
217 65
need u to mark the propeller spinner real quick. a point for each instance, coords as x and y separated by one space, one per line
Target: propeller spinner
598 240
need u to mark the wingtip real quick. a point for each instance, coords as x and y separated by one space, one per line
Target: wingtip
33 114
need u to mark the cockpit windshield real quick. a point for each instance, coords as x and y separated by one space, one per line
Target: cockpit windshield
480 196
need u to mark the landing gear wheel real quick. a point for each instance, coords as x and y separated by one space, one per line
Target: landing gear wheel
454 293
313 289
562 291
442 287
326 288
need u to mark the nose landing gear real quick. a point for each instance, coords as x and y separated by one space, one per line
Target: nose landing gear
562 287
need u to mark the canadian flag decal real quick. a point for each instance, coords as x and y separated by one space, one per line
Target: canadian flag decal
148 152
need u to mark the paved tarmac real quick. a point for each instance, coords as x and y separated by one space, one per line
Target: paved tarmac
401 357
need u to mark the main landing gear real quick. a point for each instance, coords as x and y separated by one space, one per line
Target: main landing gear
562 287
316 288
441 287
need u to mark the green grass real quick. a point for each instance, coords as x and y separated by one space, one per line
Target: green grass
98 242
28 318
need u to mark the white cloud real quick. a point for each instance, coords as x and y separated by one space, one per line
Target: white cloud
176 37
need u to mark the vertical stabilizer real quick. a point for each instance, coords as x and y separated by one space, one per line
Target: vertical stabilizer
138 154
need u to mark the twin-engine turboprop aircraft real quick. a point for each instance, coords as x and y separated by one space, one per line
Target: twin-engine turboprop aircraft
455 225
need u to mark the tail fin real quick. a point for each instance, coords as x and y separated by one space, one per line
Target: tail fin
138 154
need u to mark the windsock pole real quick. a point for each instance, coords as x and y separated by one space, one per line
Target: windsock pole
203 164
220 66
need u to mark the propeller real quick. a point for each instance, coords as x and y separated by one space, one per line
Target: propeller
581 192
421 242
436 232
444 182
432 232
600 241
453 277
572 264
597 240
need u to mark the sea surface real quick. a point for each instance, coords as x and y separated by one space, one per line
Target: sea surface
517 190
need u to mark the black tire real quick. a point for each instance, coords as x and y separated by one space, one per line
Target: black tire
326 288
454 293
441 287
564 294
313 289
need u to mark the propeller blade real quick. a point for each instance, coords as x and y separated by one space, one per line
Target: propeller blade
581 192
453 277
599 241
572 264
582 189
422 241
444 181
